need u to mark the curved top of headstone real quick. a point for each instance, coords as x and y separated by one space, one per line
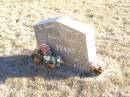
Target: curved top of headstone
81 27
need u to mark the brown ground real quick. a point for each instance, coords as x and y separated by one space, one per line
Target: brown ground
110 18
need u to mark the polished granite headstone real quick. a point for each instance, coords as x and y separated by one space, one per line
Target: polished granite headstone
72 39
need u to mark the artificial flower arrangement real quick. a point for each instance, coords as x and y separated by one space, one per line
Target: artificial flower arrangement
43 55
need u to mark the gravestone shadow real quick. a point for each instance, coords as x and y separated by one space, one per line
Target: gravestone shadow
23 66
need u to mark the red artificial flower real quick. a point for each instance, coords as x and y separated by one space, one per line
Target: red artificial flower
96 68
93 66
44 48
37 61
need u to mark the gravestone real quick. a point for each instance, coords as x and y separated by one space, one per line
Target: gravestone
72 39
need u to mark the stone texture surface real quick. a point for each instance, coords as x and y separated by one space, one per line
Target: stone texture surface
67 41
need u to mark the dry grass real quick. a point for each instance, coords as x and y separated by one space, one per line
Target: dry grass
110 18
